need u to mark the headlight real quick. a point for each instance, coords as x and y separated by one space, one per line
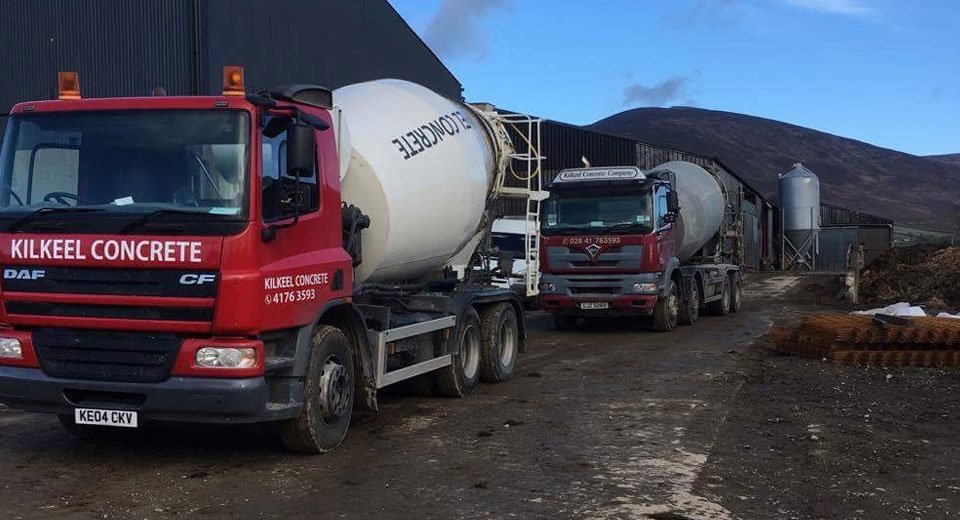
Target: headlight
548 287
646 288
10 348
225 357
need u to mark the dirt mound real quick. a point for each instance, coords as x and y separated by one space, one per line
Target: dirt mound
917 275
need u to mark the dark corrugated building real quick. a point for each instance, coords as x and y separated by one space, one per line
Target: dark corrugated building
841 229
751 217
127 47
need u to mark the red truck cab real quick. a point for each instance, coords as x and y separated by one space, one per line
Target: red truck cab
161 257
609 249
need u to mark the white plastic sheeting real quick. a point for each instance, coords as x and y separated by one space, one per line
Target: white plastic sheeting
904 309
897 309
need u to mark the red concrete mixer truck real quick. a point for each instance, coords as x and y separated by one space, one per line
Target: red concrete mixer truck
621 242
272 257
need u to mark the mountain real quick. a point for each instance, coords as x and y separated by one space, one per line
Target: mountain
952 158
911 190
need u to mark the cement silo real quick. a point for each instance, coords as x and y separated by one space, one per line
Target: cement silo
799 199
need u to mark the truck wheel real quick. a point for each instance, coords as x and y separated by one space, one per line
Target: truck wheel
565 322
667 311
461 377
721 307
327 396
690 310
736 293
501 342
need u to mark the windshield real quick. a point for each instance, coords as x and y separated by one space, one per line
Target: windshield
511 242
125 164
601 214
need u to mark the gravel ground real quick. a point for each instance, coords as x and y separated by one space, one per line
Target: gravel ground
610 421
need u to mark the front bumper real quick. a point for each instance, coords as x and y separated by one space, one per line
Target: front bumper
632 305
180 399
569 292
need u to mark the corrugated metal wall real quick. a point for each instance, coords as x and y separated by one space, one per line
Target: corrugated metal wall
119 47
835 241
330 43
833 248
127 47
753 249
563 146
876 241
831 215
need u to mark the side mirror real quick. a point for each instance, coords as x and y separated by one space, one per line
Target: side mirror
301 146
673 203
505 263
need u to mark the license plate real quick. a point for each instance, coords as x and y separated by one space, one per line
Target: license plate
594 305
117 418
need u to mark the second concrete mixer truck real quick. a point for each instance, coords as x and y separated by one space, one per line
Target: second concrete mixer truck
273 257
631 243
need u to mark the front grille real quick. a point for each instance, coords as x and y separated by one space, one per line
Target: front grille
616 257
21 282
128 312
86 280
106 355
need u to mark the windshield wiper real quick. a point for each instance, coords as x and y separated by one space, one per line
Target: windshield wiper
622 225
146 219
26 219
206 173
561 231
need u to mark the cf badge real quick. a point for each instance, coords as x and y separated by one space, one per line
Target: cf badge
197 279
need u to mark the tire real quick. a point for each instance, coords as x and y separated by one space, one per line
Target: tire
565 322
460 378
690 310
667 310
93 434
501 342
328 396
721 307
736 293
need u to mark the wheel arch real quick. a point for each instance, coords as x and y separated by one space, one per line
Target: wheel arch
673 272
342 315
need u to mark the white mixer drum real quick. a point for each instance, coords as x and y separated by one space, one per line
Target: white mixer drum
421 166
701 206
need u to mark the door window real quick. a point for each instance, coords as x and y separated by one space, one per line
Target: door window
279 189
661 207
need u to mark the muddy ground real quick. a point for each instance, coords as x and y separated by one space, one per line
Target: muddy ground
604 422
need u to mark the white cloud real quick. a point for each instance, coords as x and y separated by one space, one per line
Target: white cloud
455 30
670 89
856 8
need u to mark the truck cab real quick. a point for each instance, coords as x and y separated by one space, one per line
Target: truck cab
158 253
607 235
610 241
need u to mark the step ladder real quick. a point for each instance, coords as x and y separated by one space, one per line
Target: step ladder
519 176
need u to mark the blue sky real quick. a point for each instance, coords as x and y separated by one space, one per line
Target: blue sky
882 71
